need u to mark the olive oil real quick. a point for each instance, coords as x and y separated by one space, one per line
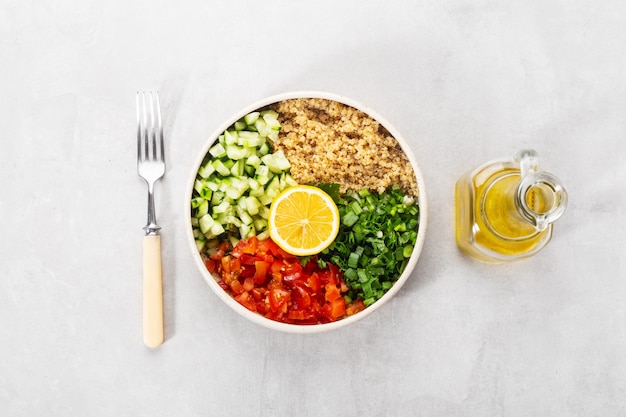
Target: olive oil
505 210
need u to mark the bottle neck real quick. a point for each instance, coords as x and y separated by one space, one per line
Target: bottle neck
540 199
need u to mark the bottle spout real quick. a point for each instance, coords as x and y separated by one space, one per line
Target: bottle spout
541 199
541 223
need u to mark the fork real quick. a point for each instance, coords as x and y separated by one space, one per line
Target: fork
151 167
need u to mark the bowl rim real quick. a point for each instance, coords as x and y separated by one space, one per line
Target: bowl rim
300 328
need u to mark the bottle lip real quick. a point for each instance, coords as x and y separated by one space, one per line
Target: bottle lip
545 180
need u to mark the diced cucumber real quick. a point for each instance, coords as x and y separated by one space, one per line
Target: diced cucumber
277 162
271 119
217 150
257 192
230 137
246 231
224 184
206 192
264 212
222 218
203 208
238 169
221 168
201 187
281 160
234 221
240 125
235 152
250 151
218 197
244 216
263 171
241 203
254 185
206 222
269 113
198 185
233 240
286 181
266 199
252 205
260 224
251 117
221 207
236 186
250 139
215 231
249 170
264 149
273 187
212 184
196 202
206 170
261 127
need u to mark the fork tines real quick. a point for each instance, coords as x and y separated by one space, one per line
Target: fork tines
149 125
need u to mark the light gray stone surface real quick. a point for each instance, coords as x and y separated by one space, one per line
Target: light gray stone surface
465 82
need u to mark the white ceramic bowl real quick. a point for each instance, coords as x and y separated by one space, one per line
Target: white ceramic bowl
296 328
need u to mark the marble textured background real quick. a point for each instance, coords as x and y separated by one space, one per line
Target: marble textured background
464 81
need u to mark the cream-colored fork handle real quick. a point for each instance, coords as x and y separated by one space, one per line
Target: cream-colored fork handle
152 291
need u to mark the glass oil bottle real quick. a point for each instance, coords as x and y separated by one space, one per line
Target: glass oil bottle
505 209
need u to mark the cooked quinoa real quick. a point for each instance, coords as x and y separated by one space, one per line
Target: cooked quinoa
329 142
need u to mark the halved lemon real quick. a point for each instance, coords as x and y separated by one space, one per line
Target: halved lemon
303 220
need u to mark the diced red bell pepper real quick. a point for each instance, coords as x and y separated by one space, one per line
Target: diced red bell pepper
301 297
211 265
265 279
313 282
245 300
226 264
247 259
220 252
235 266
260 271
248 284
278 299
332 292
338 308
354 307
236 286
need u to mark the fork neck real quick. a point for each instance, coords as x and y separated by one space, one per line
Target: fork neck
151 228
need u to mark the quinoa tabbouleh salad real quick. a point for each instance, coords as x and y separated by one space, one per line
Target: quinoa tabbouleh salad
332 157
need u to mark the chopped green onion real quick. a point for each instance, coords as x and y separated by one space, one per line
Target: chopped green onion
369 301
356 208
363 276
350 274
353 260
376 238
350 219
